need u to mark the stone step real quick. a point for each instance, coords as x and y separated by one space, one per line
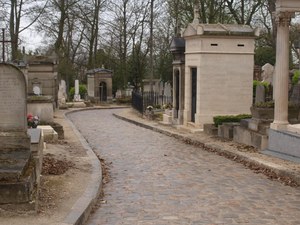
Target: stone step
22 190
13 163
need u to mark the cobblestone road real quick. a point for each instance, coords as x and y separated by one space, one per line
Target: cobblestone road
158 180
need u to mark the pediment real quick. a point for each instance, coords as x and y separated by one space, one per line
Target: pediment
189 31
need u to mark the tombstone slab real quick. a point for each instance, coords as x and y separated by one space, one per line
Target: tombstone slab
260 94
17 169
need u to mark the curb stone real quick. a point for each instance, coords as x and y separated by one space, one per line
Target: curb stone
82 208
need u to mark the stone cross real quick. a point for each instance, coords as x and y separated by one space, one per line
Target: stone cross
3 44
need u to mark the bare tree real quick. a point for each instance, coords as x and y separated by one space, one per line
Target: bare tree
243 11
19 11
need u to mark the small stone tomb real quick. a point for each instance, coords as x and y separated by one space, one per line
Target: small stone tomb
17 168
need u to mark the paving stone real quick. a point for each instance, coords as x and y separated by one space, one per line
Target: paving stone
154 176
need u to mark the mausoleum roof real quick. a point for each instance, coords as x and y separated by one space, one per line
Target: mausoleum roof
98 70
177 44
220 30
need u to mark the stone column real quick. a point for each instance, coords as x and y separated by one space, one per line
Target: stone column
282 71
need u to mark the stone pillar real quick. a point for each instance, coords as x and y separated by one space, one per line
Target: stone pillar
76 95
76 87
282 71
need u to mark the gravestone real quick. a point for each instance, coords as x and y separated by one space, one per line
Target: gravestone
62 95
17 169
76 95
260 94
168 89
267 73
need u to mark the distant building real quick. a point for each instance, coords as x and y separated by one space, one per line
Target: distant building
99 85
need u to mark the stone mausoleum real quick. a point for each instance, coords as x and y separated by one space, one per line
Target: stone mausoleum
213 72
99 85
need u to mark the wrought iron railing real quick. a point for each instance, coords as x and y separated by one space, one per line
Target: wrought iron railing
140 101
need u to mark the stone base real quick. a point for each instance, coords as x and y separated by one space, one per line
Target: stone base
210 129
49 133
76 104
226 130
20 194
248 137
167 119
284 144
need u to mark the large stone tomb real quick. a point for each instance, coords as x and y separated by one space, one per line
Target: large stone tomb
17 168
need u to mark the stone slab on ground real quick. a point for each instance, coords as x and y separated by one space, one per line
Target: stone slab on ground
284 145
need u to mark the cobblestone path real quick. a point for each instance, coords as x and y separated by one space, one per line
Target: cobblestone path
158 180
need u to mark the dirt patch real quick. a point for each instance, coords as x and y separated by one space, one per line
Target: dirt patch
52 166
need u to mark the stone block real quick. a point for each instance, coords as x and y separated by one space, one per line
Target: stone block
210 129
285 143
245 123
20 191
167 119
37 147
49 133
226 130
248 137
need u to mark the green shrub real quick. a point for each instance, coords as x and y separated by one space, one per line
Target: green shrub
219 120
269 104
295 78
82 91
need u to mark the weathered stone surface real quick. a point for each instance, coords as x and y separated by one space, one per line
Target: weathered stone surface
226 130
12 99
210 129
248 137
18 177
285 143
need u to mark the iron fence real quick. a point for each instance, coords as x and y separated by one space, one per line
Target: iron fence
137 101
140 101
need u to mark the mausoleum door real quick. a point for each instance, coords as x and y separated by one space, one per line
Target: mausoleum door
176 93
103 92
194 93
